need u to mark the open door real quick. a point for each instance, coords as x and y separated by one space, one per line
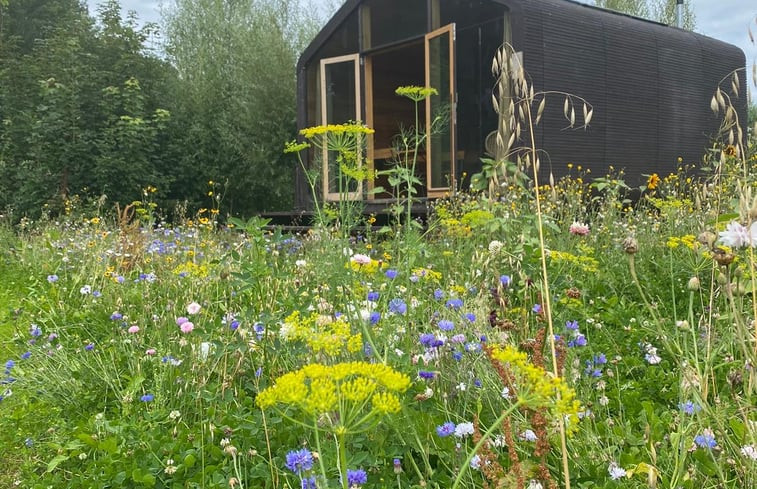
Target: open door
440 147
340 103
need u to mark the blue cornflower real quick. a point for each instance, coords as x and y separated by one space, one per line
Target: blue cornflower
299 461
29 443
477 383
455 303
505 280
97 294
90 347
373 296
573 325
705 440
579 340
356 477
52 278
375 317
147 398
308 482
470 317
483 338
446 325
26 355
116 316
438 294
536 309
35 330
457 355
446 429
600 359
367 350
234 325
259 372
424 374
397 306
9 365
427 339
259 329
391 274
689 407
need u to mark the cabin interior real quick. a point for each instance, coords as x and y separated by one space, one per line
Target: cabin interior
444 44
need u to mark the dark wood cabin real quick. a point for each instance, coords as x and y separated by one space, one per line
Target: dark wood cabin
650 84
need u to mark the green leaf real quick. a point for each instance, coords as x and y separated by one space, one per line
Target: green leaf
55 462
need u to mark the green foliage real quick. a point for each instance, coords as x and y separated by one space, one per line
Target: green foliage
663 11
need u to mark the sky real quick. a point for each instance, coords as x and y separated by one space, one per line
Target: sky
726 20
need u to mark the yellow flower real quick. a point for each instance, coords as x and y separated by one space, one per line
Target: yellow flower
653 181
416 93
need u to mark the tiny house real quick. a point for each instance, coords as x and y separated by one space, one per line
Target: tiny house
650 84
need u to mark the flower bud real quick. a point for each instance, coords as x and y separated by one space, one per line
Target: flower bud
694 284
722 280
722 257
630 245
707 238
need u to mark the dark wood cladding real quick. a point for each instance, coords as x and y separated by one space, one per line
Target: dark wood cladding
650 86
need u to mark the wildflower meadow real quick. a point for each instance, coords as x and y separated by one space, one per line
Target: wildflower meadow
607 340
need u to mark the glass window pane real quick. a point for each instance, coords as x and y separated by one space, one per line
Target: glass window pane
440 141
388 21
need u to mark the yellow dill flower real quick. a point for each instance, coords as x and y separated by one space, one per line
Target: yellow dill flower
386 403
337 129
541 388
358 389
295 147
416 93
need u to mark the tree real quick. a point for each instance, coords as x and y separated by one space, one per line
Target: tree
663 11
235 95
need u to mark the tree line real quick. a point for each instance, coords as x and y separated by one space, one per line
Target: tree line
97 105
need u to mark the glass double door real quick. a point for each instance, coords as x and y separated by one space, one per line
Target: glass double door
428 62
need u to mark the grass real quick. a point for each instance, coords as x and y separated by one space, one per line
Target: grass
197 355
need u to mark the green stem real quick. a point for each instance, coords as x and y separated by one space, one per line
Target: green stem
342 449
320 453
481 442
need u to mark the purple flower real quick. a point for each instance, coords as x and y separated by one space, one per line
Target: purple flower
438 294
90 347
579 340
116 316
536 309
181 320
259 330
391 274
234 325
308 482
373 296
34 330
446 429
427 339
26 355
356 477
147 398
689 407
477 383
457 355
9 365
455 303
470 317
97 294
705 440
600 359
505 280
299 461
397 466
572 325
375 317
52 278
446 325
397 306
424 374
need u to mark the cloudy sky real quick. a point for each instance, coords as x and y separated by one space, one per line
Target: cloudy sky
727 20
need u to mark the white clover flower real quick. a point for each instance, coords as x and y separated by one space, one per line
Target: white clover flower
464 429
300 263
534 484
193 308
616 471
528 435
495 246
505 393
461 387
579 228
749 451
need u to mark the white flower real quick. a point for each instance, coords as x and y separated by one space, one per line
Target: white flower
461 387
193 308
534 484
738 236
528 435
360 259
579 228
87 289
604 401
475 462
463 429
300 263
174 415
495 246
749 452
505 393
616 472
651 356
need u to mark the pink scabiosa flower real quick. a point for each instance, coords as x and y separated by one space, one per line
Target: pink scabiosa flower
360 259
193 308
133 329
186 327
579 228
738 236
150 352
